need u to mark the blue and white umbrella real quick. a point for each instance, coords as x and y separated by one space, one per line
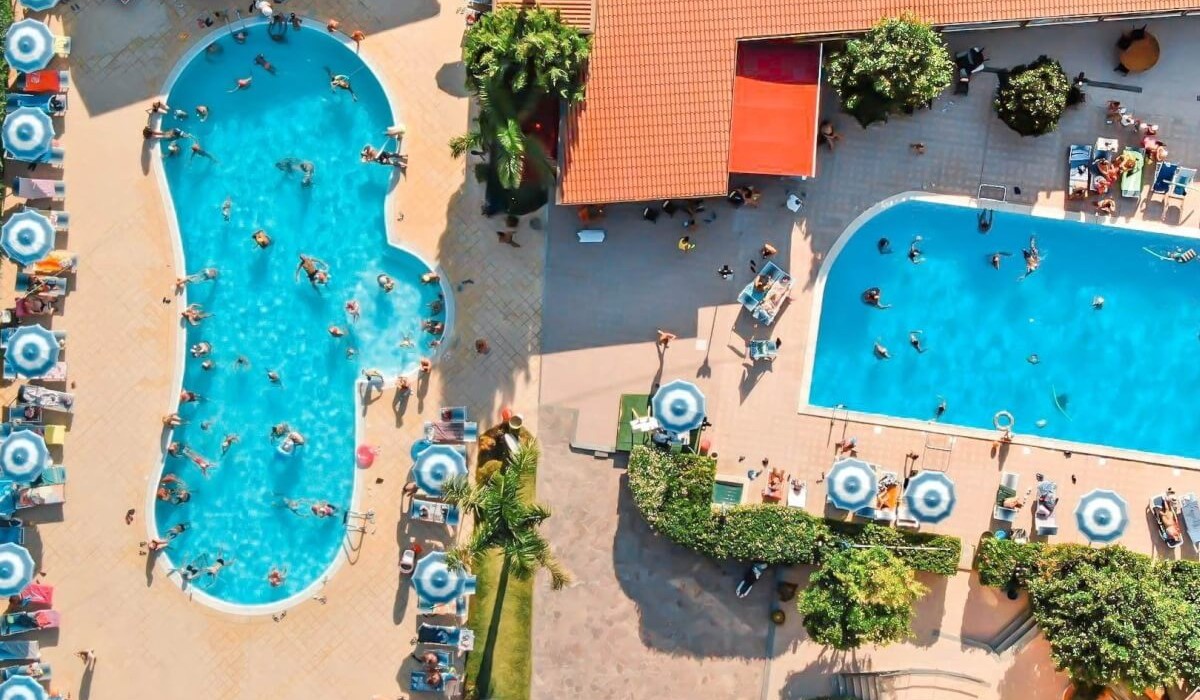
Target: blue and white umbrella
28 134
1102 515
436 465
16 568
32 351
39 5
678 406
27 236
851 484
23 455
29 45
436 583
21 688
930 497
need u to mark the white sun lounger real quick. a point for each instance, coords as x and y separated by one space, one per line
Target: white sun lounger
47 399
1190 506
59 219
797 498
62 46
434 512
41 496
58 373
1008 515
40 188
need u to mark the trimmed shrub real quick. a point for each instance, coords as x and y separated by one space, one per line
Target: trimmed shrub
1031 99
1000 562
938 554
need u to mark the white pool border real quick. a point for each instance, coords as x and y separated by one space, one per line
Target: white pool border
1047 211
163 563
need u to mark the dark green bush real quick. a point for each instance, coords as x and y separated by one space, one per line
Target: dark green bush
999 562
1031 99
938 554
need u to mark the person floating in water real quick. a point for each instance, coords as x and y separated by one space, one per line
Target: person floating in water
288 165
316 269
874 297
198 150
985 220
242 84
309 170
881 352
261 60
914 339
884 246
1033 257
914 251
940 410
340 82
1097 302
386 283
227 208
994 258
228 441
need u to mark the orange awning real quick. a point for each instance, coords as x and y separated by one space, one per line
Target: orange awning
776 101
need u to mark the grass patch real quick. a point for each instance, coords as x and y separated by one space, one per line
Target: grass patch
501 666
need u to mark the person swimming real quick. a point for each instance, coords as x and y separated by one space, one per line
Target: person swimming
309 170
914 251
1033 257
884 246
1033 359
914 339
1097 302
994 258
340 82
985 220
261 60
315 268
386 283
227 208
874 297
242 84
881 352
288 165
940 410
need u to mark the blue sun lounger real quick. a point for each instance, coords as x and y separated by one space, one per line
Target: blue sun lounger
12 530
1184 178
434 512
21 622
763 350
54 103
1007 489
10 671
1164 175
460 638
418 682
19 651
1079 159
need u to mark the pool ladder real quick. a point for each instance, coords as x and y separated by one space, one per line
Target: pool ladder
362 518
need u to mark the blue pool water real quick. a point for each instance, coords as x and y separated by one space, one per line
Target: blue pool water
278 323
1123 374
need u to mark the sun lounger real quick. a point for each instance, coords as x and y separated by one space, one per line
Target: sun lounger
418 682
1007 489
59 219
1131 180
1184 177
19 651
50 476
40 81
444 635
1170 532
1189 507
1106 149
57 373
52 103
434 512
1079 159
30 496
453 413
886 501
1164 175
55 156
55 435
35 595
797 494
24 307
58 261
62 46
451 431
40 188
12 530
21 622
48 399
34 669
457 608
763 350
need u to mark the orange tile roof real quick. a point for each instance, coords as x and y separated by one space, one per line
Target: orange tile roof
577 13
656 120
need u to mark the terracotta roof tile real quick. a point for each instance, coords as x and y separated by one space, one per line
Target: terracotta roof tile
577 13
656 120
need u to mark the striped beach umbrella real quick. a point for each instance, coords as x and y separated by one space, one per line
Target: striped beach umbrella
39 5
27 236
930 497
436 465
16 568
32 351
436 583
851 484
21 688
1102 515
23 455
29 45
678 406
28 134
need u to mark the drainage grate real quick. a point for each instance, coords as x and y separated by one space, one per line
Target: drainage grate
996 192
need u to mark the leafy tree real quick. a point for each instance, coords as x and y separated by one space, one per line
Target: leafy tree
526 52
1031 99
1111 616
900 64
860 596
498 132
506 520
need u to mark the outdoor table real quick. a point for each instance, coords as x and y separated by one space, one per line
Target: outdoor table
1141 55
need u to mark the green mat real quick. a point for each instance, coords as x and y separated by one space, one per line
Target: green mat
629 404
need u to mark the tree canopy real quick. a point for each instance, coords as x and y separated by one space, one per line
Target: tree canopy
1031 99
860 596
901 63
527 52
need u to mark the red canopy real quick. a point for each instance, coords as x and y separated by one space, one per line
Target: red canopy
776 103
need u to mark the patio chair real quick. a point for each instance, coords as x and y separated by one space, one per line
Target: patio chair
40 188
1079 159
1184 177
763 350
1006 490
21 622
1164 175
1190 510
1131 180
19 651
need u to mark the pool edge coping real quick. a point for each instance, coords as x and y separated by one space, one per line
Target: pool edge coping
341 557
1047 211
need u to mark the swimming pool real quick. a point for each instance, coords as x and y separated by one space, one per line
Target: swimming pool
1120 375
262 312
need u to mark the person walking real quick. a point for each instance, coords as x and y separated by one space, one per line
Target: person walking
725 272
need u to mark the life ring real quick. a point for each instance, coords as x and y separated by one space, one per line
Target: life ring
1003 420
366 456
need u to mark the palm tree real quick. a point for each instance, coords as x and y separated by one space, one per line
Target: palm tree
507 520
497 132
526 51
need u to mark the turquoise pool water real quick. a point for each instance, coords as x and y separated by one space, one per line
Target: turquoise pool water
1121 376
260 311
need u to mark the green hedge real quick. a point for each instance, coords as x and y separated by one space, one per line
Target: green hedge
999 562
6 20
674 494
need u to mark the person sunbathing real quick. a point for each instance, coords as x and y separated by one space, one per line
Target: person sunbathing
1015 502
1125 162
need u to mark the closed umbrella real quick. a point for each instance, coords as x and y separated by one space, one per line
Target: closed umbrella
930 497
436 465
28 45
28 134
678 406
32 351
21 688
27 236
16 568
1102 515
436 583
851 484
23 455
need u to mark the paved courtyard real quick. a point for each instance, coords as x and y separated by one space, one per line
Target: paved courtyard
667 620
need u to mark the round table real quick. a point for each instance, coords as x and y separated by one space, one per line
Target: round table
1141 54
